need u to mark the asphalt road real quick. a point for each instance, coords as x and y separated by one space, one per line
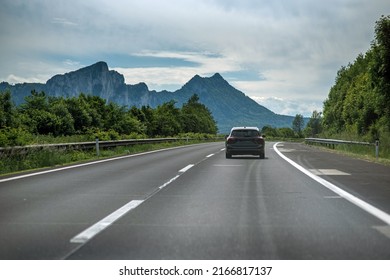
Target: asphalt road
193 203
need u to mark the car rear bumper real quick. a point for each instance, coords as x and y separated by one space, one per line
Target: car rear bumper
244 151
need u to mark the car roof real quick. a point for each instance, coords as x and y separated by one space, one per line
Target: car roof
245 128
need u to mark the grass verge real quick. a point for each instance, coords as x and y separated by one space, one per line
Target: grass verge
47 157
360 152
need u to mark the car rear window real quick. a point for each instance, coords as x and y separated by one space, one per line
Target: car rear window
245 133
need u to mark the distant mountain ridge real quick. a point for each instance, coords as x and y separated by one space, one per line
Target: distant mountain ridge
229 106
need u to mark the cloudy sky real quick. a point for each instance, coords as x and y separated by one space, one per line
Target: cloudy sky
283 54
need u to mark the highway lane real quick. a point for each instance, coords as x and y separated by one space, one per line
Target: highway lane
193 204
242 208
40 214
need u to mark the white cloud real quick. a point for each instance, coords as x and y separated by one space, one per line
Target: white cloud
159 77
294 47
13 79
290 107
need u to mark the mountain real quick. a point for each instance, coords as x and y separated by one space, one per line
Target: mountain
95 79
229 106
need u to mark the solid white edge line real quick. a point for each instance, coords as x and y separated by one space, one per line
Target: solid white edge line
105 222
86 164
186 168
357 201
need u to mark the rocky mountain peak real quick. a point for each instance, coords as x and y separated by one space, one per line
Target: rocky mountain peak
217 76
99 65
198 83
95 79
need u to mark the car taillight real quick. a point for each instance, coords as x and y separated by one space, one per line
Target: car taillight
258 140
231 140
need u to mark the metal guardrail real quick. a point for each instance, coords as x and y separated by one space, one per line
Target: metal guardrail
86 145
333 142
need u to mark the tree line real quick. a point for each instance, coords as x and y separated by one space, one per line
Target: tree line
358 103
41 114
300 127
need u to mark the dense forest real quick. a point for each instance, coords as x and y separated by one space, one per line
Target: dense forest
358 105
92 116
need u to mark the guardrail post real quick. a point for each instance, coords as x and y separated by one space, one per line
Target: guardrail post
377 149
97 147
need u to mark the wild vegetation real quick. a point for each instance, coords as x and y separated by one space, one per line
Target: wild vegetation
45 119
358 105
86 117
298 130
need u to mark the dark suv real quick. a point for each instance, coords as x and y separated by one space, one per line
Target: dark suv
245 141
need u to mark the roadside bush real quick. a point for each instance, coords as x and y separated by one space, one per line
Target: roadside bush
103 135
14 137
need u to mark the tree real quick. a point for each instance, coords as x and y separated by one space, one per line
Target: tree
35 114
359 102
269 131
314 126
196 117
65 121
298 124
78 108
286 132
35 101
150 120
167 119
7 110
97 109
380 67
333 105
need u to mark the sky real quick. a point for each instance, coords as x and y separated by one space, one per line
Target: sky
283 54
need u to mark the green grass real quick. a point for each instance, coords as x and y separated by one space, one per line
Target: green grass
43 158
361 152
364 152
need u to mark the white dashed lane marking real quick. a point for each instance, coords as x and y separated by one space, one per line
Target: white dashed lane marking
104 223
186 168
95 229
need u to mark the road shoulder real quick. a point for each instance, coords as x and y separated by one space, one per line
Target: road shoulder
363 179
